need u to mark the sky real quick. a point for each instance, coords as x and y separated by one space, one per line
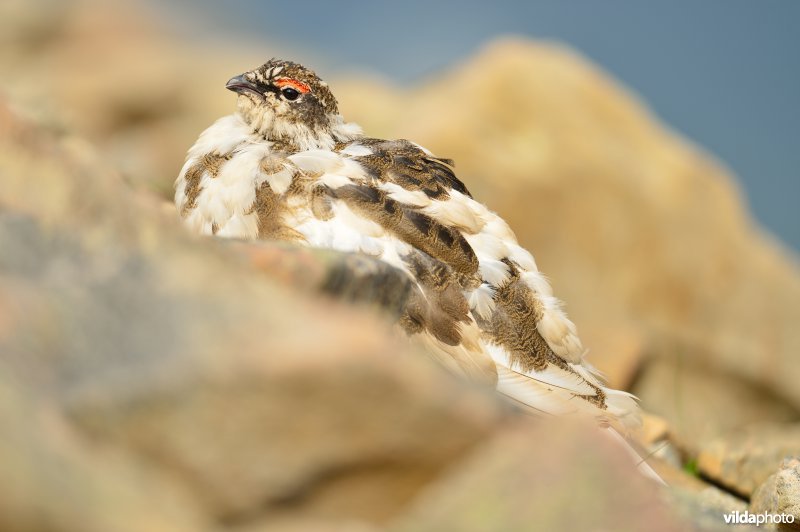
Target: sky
724 73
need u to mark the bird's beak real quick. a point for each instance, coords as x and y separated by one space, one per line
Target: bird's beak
241 85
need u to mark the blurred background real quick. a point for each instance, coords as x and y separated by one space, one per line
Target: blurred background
646 154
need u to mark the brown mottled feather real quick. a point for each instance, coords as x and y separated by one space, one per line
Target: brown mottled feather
269 208
403 163
273 165
420 230
321 206
513 326
444 306
210 164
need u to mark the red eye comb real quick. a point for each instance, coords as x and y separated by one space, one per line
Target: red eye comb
295 84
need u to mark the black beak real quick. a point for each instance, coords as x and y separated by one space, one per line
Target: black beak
241 85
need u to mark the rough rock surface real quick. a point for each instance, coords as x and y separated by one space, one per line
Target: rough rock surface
744 459
697 501
780 494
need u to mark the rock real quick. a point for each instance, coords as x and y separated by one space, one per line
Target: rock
618 346
658 441
703 504
56 479
702 403
655 429
706 507
745 458
780 495
162 381
348 277
561 483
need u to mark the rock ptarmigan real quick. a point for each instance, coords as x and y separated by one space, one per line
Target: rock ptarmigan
287 166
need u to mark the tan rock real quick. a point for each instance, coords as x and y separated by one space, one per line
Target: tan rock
54 478
702 403
780 495
697 501
570 479
655 429
744 459
337 426
616 345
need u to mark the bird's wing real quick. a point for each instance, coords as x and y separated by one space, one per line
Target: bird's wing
480 293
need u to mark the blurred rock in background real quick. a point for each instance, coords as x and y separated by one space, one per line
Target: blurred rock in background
135 356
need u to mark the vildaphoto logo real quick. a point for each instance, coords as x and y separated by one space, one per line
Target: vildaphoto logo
747 518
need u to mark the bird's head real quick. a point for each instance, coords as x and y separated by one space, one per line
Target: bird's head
286 101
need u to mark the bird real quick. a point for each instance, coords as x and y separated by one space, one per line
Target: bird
287 166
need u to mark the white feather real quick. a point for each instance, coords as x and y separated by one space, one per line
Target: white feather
481 301
522 257
394 250
535 395
416 198
455 213
334 180
222 137
537 282
487 245
553 376
317 161
279 181
560 334
240 226
343 215
357 150
498 228
492 271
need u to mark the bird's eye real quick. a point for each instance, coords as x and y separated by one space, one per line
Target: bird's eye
290 93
